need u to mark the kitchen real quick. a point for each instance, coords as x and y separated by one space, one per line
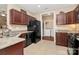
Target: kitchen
63 20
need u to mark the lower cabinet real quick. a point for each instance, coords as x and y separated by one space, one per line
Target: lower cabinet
49 38
16 49
62 39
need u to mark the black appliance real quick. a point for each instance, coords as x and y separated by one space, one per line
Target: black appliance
73 44
35 26
28 39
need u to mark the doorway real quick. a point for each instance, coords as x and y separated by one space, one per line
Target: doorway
47 27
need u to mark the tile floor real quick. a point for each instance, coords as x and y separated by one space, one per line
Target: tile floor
45 47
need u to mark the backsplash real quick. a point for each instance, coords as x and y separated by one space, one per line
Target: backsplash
66 27
69 28
77 27
18 27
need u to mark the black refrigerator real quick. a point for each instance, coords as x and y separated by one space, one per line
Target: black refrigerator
35 26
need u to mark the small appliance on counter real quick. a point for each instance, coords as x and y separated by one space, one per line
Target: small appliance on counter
73 44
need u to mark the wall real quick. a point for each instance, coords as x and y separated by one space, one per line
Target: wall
37 16
63 27
16 27
2 20
48 25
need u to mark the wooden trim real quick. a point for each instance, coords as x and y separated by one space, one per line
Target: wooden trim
48 38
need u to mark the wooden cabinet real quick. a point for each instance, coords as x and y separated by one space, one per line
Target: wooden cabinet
18 17
24 19
73 16
66 18
15 16
77 14
31 18
16 49
61 18
62 39
70 17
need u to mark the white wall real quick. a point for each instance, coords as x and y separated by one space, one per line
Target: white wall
48 28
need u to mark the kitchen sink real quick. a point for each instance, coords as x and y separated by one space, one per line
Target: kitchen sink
14 33
11 34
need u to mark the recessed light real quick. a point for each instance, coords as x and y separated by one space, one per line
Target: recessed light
38 6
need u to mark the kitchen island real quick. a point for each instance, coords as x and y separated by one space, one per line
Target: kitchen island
11 46
14 43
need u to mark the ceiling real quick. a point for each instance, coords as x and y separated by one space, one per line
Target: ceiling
34 8
43 7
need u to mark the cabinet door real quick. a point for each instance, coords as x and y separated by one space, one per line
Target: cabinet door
61 39
70 16
61 19
77 17
58 38
24 19
65 39
77 14
15 16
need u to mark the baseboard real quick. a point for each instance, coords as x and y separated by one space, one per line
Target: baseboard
48 38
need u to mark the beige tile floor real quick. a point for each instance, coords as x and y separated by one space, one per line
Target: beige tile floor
45 47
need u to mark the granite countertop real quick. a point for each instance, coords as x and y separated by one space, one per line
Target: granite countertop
8 41
22 31
67 31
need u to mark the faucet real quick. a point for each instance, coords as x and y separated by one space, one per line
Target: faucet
8 33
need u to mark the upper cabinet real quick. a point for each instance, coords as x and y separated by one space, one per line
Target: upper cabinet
61 18
77 14
15 16
18 17
24 19
71 17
